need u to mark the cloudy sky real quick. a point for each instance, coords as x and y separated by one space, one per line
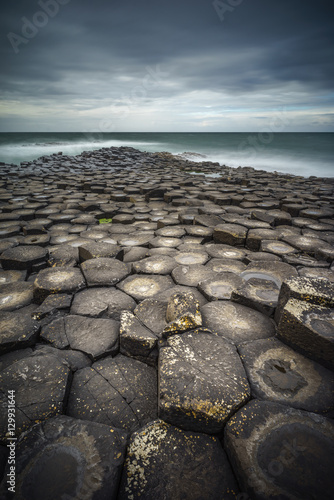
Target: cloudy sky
158 65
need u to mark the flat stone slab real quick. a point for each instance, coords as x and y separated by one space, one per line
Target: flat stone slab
104 271
280 374
93 336
220 251
23 257
102 302
191 258
191 275
52 305
308 328
156 264
226 265
15 295
279 452
236 322
41 382
161 464
57 280
221 286
119 391
69 458
152 314
274 271
17 330
201 382
258 294
145 287
7 277
97 250
136 340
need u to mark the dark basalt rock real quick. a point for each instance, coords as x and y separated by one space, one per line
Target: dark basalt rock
41 382
15 295
279 452
67 458
230 234
221 287
23 257
57 280
308 328
136 340
96 250
191 275
278 373
17 330
157 264
94 337
104 271
258 294
160 462
201 382
145 287
116 391
102 302
236 322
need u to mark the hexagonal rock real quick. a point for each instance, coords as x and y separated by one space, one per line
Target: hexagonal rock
201 382
152 314
166 462
307 244
256 236
94 337
226 265
191 275
220 251
191 258
280 374
272 271
40 382
145 287
308 328
23 257
69 458
96 250
279 452
161 241
230 234
15 295
17 330
7 277
136 340
221 286
118 391
157 264
236 322
258 294
313 290
57 280
277 247
102 302
104 271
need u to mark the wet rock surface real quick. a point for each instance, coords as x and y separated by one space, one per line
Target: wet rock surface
132 289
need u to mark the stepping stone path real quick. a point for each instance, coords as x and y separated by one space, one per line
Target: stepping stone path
165 335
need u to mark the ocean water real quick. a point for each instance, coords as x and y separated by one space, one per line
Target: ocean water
306 154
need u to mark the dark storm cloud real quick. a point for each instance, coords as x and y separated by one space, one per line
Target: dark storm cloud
97 52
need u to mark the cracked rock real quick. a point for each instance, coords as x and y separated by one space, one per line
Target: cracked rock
136 340
201 381
119 391
17 330
40 382
102 302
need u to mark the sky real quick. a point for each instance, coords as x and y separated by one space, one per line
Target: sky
167 66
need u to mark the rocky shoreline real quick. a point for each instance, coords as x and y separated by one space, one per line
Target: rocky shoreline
167 330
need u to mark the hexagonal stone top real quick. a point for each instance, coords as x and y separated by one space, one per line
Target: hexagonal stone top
201 381
236 322
57 280
102 302
145 287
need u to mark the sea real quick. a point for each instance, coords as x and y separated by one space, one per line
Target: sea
305 154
